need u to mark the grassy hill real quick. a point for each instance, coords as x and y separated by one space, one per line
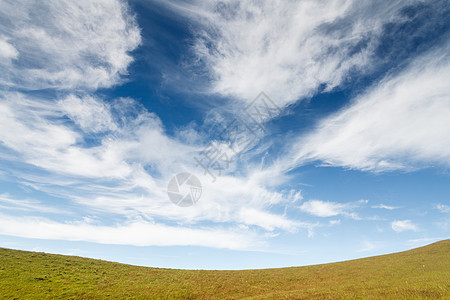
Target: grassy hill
419 273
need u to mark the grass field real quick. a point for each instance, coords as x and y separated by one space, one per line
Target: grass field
419 273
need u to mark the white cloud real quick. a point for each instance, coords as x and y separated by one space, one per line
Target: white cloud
7 51
285 48
334 222
138 233
322 209
405 225
66 44
383 206
116 158
111 158
329 209
443 208
35 131
38 132
269 221
9 203
400 123
88 113
368 246
131 161
424 241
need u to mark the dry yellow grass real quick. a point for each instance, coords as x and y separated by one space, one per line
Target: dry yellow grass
415 274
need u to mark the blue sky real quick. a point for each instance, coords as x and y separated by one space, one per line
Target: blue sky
319 130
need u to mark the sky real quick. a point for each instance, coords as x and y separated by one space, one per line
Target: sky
224 134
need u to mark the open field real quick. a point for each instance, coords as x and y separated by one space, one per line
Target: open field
419 273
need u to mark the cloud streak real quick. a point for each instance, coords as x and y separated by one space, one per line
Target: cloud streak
138 233
399 124
324 209
384 206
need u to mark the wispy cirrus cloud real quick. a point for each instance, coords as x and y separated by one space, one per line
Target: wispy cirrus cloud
66 45
10 203
112 158
90 114
288 49
115 158
109 158
400 123
249 47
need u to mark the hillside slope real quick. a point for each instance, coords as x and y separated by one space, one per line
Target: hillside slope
419 273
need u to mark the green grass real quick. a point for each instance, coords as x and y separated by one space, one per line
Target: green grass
415 274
